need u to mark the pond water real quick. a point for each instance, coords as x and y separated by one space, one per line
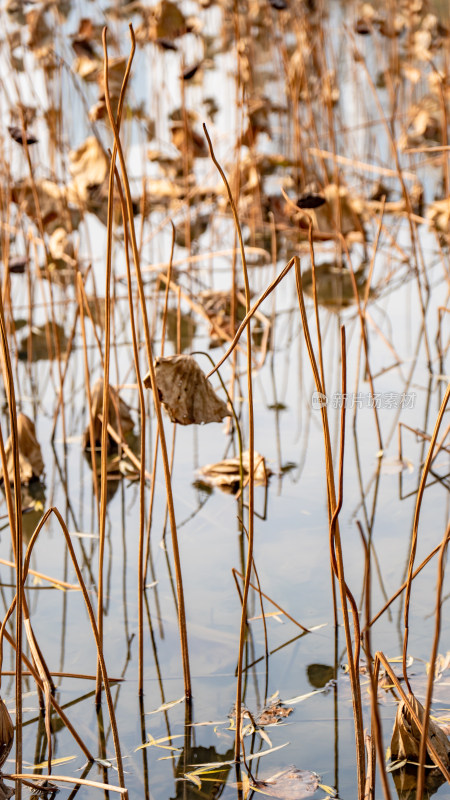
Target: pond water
318 101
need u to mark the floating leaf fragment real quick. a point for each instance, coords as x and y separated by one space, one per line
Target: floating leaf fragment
193 779
301 697
289 784
185 392
54 762
159 742
166 706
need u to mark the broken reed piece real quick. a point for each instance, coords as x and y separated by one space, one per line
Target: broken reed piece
31 464
185 392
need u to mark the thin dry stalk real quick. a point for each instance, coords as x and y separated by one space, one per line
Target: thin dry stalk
376 736
16 528
354 673
402 588
251 446
105 411
280 608
434 650
337 510
157 403
141 579
414 537
250 314
41 576
88 393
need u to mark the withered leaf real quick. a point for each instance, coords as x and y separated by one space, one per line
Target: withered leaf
6 733
165 44
5 791
17 265
89 167
334 286
53 203
185 392
190 71
20 136
119 414
170 21
31 465
439 213
405 742
43 343
61 248
289 784
311 200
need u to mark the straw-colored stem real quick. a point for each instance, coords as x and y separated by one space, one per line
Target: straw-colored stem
354 673
157 403
142 441
414 537
432 664
16 526
251 455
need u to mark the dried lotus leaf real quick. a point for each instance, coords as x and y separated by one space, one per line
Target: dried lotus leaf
89 167
439 213
170 21
185 392
405 742
119 414
6 733
225 474
53 203
31 464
